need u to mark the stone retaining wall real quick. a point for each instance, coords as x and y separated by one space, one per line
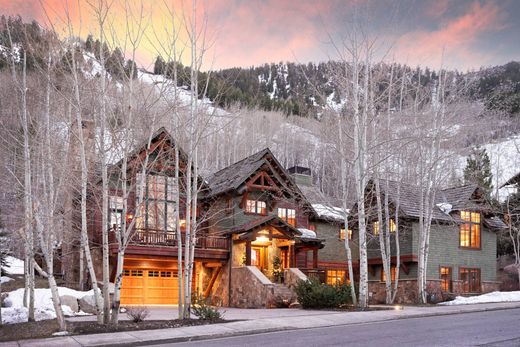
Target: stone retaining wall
250 288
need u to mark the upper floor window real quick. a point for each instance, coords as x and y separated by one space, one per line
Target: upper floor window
469 235
288 215
342 234
375 227
256 206
116 211
156 210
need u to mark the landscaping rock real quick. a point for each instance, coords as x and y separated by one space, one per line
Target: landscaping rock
88 304
295 304
70 301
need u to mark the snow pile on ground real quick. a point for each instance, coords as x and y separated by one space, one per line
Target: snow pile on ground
43 308
485 298
5 279
14 266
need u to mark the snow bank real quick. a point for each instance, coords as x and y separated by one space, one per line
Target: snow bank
485 298
14 266
5 279
43 308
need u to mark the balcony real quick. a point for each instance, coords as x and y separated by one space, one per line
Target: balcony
150 237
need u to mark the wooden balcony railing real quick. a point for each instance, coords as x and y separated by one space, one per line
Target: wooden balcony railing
169 238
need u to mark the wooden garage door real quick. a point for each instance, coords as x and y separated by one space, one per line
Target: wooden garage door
149 287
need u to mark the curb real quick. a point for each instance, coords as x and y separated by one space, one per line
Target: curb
288 328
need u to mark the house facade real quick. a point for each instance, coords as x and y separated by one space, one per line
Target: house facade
253 231
462 246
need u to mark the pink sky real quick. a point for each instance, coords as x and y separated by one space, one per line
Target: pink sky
461 34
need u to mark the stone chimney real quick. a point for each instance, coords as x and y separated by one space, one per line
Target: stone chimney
302 175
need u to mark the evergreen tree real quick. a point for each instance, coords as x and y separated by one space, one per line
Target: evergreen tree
159 66
4 251
478 170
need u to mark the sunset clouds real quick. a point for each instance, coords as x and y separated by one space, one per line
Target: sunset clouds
461 34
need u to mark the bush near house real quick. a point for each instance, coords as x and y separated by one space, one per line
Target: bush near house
201 307
313 294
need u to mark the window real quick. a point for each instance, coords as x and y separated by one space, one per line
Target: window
392 225
116 211
445 275
312 227
469 236
288 215
393 271
335 277
256 206
153 273
375 228
342 234
156 210
136 273
470 278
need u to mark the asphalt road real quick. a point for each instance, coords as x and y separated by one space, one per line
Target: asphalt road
492 328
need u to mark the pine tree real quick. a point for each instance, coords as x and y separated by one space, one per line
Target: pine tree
478 170
159 66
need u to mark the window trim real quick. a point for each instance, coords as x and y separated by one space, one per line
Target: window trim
470 223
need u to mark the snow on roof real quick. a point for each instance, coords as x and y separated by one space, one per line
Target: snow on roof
306 233
330 212
445 207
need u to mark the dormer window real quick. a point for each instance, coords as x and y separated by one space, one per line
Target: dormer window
469 235
256 207
287 215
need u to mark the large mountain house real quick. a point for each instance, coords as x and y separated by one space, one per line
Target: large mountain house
462 249
253 231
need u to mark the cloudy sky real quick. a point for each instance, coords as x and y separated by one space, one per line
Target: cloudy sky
462 34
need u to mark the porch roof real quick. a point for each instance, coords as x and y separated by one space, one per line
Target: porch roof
272 220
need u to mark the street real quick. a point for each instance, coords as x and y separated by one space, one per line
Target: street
493 328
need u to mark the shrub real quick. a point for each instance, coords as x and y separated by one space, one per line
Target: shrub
313 294
201 307
137 313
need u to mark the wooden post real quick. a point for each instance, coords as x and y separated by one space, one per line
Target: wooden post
292 256
248 253
315 258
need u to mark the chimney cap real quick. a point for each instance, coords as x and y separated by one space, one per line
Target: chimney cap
301 170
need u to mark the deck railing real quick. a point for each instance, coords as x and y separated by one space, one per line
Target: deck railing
169 238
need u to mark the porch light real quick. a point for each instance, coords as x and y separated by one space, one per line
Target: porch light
129 217
262 236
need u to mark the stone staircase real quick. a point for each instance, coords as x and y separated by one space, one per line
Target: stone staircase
283 294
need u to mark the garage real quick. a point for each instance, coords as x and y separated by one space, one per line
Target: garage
150 287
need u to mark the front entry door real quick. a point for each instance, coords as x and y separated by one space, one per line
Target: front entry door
259 257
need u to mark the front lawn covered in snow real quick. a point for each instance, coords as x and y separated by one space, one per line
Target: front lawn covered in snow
43 308
485 298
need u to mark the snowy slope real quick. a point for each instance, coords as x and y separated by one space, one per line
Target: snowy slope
484 298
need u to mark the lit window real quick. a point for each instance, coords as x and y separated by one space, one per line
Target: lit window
256 206
392 225
288 215
445 274
342 234
375 228
393 271
335 277
469 234
155 205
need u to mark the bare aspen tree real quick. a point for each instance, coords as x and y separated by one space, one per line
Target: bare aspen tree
21 86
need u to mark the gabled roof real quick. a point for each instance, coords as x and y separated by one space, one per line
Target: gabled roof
467 197
272 220
231 178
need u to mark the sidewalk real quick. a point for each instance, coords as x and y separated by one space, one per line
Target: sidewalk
279 319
